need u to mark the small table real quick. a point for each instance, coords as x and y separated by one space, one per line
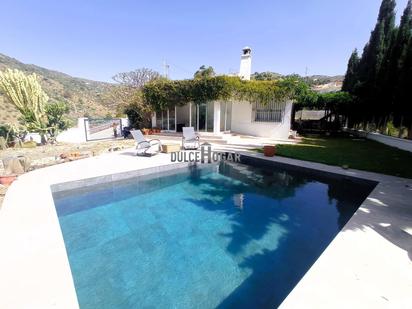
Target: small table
168 148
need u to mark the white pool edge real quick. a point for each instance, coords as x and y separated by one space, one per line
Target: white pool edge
35 271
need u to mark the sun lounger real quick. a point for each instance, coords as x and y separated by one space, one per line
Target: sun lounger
190 139
146 147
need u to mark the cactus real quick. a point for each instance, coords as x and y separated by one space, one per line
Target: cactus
25 93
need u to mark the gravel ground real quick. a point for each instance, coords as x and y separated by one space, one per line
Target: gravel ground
41 152
47 155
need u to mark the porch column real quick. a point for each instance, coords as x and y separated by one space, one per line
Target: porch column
154 120
190 114
216 117
168 125
175 118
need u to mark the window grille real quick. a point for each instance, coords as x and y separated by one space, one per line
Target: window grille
270 112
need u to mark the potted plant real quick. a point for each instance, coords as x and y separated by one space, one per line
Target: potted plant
269 150
6 180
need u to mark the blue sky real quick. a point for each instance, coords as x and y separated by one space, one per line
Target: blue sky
97 39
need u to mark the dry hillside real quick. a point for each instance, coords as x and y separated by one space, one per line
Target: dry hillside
85 97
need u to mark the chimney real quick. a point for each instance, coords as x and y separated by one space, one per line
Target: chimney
245 63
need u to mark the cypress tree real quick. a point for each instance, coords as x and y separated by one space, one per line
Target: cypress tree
403 92
372 59
404 35
399 64
351 76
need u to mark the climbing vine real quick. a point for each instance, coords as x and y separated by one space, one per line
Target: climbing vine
162 93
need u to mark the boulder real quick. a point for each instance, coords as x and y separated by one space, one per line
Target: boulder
3 144
16 165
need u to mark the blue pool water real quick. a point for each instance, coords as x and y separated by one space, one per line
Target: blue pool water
227 236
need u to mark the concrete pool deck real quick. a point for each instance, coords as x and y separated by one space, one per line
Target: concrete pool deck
367 265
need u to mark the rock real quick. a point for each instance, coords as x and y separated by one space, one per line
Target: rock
16 165
3 145
29 144
3 190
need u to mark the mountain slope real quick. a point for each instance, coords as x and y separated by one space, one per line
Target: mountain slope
85 97
319 83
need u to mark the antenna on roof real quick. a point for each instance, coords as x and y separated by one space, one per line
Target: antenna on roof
166 67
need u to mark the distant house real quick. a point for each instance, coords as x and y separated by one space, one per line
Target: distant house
217 117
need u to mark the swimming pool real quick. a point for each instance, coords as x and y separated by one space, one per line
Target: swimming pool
227 235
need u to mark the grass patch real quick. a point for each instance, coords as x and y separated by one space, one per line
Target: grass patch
355 153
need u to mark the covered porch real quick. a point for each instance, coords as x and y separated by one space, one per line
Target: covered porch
213 117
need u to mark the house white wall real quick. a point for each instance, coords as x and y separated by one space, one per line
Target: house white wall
242 122
76 134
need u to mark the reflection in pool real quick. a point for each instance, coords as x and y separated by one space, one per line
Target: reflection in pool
229 236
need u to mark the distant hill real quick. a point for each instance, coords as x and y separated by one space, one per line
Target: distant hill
325 79
323 83
85 97
319 83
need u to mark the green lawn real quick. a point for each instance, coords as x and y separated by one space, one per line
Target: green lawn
355 153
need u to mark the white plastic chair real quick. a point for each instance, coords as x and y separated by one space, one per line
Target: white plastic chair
146 147
190 139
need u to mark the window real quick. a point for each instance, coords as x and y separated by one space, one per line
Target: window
270 112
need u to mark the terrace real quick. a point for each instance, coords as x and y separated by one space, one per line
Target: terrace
36 265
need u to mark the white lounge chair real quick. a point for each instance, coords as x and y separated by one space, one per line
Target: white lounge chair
190 139
146 147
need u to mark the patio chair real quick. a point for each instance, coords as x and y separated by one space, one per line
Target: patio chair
190 139
145 147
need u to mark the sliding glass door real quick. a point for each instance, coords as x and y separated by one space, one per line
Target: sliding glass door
172 119
225 116
166 120
202 110
210 109
199 116
202 117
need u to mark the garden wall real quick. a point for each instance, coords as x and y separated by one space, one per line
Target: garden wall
401 143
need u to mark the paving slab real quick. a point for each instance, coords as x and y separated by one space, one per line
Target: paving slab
367 265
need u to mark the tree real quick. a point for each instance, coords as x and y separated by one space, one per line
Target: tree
351 76
398 66
204 72
265 76
26 94
363 78
56 120
137 78
138 112
404 93
404 36
378 45
128 95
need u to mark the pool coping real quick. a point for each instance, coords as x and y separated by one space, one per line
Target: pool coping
36 273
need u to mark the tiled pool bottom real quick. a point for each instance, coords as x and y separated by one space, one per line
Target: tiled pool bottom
229 236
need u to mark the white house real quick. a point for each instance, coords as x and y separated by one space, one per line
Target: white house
271 120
